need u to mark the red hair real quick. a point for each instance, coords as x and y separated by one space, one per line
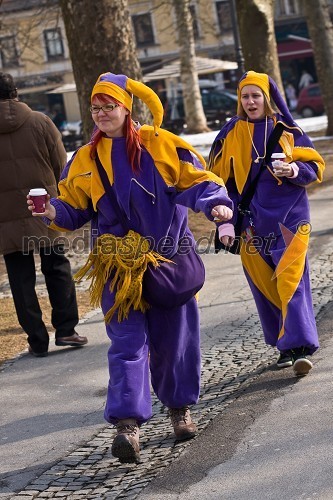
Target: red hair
132 136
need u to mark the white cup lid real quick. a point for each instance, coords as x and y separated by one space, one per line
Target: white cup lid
278 156
37 192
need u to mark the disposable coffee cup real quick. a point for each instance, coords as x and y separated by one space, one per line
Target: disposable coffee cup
39 197
277 158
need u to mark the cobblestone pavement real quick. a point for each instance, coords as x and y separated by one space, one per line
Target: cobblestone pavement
90 472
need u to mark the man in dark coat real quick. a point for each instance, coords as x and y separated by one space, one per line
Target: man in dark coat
32 155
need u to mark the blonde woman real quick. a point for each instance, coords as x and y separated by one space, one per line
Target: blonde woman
276 228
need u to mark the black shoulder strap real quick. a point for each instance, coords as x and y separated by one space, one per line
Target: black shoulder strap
272 142
111 194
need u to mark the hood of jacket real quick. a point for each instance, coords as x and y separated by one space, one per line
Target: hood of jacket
12 115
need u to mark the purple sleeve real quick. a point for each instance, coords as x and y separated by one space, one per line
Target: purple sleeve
307 173
203 197
308 170
68 217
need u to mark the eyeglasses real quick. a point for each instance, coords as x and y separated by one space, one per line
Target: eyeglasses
107 108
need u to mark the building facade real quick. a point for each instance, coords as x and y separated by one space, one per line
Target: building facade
33 48
33 45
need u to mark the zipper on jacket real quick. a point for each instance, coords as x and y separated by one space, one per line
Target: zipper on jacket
146 190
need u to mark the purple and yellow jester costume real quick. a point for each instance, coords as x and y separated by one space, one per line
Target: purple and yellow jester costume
171 177
275 260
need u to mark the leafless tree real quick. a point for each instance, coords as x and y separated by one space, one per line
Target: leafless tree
256 28
321 33
100 39
194 113
27 35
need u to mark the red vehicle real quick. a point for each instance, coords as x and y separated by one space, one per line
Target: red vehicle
310 102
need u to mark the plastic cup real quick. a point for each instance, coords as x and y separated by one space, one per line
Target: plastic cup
39 197
278 159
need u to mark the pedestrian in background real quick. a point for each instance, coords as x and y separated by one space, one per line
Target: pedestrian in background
291 96
32 155
277 224
58 117
154 176
305 80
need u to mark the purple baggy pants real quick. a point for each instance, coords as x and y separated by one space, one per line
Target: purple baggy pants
161 347
299 324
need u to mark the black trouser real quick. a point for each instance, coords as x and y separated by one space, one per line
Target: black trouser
61 290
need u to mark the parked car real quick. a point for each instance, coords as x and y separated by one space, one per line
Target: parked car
310 101
218 106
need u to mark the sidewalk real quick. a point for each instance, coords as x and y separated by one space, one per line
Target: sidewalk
275 441
262 432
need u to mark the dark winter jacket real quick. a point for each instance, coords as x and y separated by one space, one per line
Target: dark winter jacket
31 156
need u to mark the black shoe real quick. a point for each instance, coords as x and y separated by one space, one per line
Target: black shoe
285 359
301 364
37 354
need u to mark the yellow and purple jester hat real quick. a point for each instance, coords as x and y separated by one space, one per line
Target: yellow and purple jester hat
122 88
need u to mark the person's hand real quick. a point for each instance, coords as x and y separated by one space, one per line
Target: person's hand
50 211
221 213
283 169
227 240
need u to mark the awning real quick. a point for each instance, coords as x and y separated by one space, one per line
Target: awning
63 89
295 49
204 66
41 89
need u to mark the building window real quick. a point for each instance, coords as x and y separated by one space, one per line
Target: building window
224 16
53 44
194 22
287 8
143 29
8 52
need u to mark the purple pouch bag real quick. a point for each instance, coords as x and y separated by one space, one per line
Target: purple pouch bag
173 284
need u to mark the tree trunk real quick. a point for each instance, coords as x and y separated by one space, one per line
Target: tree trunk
256 28
100 39
321 33
194 113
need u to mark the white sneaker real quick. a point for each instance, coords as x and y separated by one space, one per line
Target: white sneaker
302 366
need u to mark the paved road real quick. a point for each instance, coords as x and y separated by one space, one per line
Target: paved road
259 427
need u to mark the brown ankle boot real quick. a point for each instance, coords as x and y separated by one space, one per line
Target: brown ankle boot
125 445
182 423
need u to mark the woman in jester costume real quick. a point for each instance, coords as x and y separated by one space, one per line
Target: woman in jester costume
276 232
156 176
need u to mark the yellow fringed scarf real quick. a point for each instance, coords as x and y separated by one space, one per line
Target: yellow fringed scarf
128 257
